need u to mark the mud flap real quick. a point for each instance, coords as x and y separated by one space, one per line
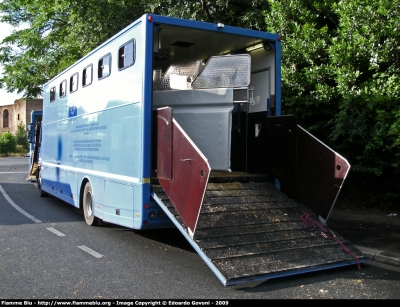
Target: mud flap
182 170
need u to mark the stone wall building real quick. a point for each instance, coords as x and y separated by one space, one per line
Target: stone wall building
19 112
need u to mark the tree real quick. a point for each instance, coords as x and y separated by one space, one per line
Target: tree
51 35
240 13
21 135
308 28
8 143
366 59
340 76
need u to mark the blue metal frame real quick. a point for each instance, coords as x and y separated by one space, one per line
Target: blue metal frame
147 106
276 38
34 115
278 78
212 27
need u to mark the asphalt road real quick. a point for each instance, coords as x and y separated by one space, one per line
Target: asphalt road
47 252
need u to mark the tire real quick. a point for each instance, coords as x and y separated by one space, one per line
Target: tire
87 205
39 184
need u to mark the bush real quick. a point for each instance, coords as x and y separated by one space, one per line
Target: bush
341 77
8 143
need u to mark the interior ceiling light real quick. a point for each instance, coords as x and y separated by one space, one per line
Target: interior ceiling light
255 47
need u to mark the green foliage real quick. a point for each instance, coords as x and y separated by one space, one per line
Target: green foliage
368 82
307 28
20 136
340 75
49 36
8 143
241 13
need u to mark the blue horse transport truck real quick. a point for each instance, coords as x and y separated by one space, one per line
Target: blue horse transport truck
178 123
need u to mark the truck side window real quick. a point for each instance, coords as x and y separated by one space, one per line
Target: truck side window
104 68
87 75
73 83
52 94
126 55
63 88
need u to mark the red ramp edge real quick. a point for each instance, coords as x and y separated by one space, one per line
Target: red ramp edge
183 171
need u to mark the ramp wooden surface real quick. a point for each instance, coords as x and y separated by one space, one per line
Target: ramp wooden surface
32 172
251 231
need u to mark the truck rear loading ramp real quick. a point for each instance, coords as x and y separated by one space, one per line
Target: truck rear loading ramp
243 227
249 231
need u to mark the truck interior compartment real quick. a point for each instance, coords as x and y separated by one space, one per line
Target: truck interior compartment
205 78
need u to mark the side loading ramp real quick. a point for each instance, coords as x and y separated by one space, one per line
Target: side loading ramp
241 225
34 137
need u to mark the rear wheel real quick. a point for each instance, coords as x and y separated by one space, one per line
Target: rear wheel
87 204
39 184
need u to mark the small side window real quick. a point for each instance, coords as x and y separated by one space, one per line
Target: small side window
52 94
104 69
87 75
63 88
126 55
73 83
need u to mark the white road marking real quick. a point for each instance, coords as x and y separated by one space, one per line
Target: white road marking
90 251
18 208
53 230
58 233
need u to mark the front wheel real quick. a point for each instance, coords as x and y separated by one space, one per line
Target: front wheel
87 204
